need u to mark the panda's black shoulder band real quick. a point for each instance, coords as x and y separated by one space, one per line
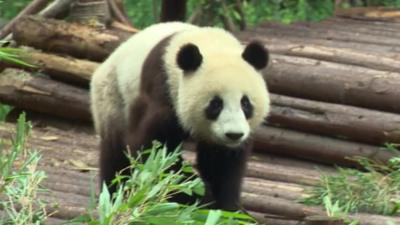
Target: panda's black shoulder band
189 58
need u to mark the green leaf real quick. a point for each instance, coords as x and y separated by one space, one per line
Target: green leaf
213 217
163 208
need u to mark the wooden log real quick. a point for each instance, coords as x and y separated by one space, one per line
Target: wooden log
276 42
21 89
364 125
281 173
278 206
68 38
62 68
273 219
360 30
289 191
316 148
370 13
336 35
290 162
324 220
375 25
348 25
345 56
331 82
297 211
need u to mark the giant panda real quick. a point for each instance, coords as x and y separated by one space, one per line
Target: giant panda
175 80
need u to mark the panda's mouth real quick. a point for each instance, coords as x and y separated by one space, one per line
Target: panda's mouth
231 143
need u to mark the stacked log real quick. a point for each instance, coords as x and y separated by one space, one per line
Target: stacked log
330 102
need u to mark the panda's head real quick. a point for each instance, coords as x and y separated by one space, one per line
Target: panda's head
221 96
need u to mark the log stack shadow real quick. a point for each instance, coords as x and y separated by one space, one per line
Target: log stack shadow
335 95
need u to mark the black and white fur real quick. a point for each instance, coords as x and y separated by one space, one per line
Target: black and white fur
174 80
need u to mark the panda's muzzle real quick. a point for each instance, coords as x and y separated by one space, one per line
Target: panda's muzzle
234 136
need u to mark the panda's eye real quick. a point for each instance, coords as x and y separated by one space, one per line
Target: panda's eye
214 108
247 107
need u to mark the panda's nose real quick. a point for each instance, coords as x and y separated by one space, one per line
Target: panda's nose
234 136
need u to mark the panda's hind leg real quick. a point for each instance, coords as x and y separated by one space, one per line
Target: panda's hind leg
112 157
108 116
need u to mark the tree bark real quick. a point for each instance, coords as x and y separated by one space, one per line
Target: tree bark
40 94
57 9
173 10
118 13
348 122
316 148
67 38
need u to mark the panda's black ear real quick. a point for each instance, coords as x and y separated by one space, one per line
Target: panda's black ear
189 58
256 55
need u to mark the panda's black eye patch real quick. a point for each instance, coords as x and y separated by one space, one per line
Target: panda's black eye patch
214 108
247 107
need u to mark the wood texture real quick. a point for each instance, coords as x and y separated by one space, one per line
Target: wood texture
40 94
67 38
336 83
315 147
335 120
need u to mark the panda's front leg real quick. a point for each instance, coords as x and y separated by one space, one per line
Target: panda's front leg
146 120
222 170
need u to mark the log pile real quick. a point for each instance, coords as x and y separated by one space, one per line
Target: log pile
335 95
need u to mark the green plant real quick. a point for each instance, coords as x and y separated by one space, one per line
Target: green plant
143 197
4 110
393 3
287 11
143 13
335 211
10 8
20 179
13 55
375 190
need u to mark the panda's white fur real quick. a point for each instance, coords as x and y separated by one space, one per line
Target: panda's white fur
115 83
